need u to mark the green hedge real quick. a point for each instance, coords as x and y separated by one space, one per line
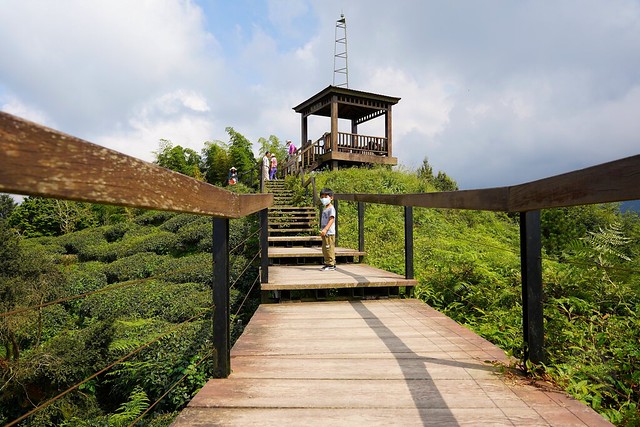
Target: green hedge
179 221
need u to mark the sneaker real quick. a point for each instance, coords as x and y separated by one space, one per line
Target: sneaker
328 268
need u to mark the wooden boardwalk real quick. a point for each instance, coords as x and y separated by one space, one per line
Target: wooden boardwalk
372 363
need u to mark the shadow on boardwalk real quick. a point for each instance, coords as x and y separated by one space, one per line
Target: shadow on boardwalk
373 363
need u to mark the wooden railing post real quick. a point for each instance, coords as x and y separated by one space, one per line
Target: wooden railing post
264 246
335 205
221 334
531 268
408 242
361 226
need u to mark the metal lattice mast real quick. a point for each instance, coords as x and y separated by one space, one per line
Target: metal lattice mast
340 68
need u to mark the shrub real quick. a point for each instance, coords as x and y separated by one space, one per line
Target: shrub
193 268
192 234
162 364
179 221
82 278
104 252
154 218
159 242
136 266
172 302
117 231
79 242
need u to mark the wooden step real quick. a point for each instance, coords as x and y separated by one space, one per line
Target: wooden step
289 230
293 208
305 219
295 239
310 252
291 223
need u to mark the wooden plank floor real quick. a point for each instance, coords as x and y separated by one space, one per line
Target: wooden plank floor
372 363
289 277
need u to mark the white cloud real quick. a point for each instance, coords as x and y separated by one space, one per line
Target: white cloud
492 93
16 107
87 64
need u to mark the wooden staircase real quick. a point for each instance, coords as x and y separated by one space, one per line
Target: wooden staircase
295 258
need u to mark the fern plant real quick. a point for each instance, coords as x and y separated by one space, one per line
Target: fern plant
129 411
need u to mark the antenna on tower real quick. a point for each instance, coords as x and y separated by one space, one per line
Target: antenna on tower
340 68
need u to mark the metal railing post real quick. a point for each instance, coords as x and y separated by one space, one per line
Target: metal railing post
335 205
361 226
531 270
408 242
264 246
221 329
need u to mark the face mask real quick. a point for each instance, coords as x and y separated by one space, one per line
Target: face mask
325 201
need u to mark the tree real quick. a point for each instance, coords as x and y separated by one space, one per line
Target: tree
7 205
178 159
442 181
425 171
39 216
35 217
241 154
215 162
274 146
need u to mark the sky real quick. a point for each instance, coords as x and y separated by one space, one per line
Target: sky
493 92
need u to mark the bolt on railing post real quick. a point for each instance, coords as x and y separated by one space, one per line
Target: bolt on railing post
531 270
221 330
408 242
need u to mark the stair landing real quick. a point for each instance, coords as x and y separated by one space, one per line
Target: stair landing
301 277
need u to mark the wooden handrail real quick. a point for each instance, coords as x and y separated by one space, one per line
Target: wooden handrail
39 161
608 182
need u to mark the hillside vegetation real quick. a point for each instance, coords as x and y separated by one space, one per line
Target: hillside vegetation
147 276
146 299
468 267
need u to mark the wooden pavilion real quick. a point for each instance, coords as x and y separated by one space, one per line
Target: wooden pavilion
335 148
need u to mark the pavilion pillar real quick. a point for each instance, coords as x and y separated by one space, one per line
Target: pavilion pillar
388 131
334 123
304 128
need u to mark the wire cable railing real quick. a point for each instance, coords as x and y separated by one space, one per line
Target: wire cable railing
105 369
170 389
233 253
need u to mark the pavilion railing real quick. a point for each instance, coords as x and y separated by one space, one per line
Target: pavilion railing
308 156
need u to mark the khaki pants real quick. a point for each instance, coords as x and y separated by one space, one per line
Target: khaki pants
329 249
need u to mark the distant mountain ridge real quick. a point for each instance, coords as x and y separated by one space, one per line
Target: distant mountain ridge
632 205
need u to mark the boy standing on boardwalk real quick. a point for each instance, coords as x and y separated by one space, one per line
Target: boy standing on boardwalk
328 230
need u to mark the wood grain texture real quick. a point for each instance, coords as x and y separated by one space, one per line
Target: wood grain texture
372 363
609 182
305 277
39 161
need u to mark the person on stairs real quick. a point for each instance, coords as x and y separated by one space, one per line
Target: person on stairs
266 163
274 167
328 230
